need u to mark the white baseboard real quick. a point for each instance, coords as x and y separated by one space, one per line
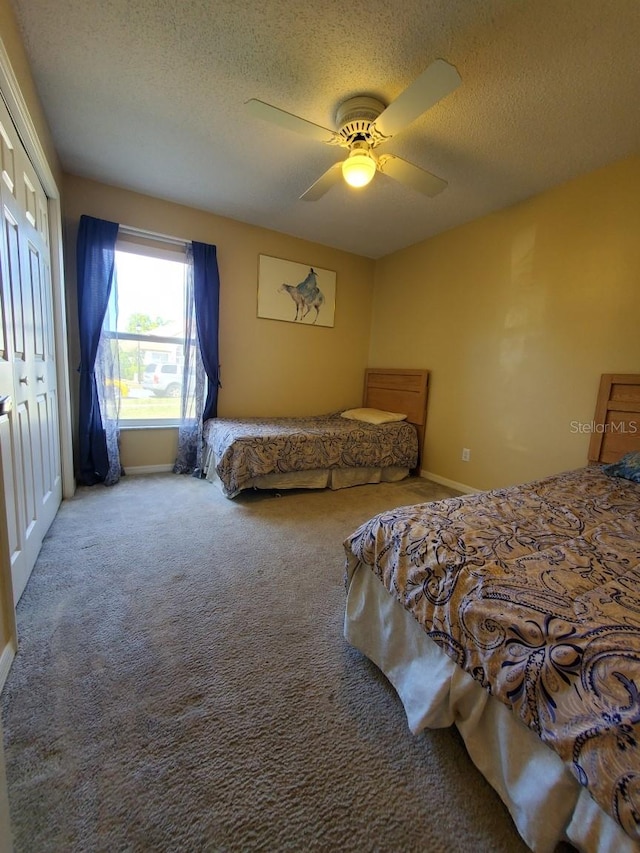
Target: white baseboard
149 469
6 659
452 484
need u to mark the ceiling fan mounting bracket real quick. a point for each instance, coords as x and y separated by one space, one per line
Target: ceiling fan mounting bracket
355 121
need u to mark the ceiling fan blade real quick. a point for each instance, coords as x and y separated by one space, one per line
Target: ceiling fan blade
411 176
259 109
324 183
436 81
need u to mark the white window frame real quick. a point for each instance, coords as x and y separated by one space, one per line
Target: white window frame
158 247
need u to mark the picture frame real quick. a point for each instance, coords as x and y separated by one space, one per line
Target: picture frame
295 293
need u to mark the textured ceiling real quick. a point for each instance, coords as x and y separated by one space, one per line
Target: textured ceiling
149 95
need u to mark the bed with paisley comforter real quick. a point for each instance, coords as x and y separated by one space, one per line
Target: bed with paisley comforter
318 448
335 450
515 615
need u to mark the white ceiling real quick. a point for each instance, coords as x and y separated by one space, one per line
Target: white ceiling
149 95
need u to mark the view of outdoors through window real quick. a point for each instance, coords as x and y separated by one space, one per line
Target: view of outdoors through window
149 322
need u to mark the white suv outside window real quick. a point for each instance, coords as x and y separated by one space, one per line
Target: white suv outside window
165 380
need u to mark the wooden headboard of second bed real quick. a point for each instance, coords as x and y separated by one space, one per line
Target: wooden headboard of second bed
397 390
616 426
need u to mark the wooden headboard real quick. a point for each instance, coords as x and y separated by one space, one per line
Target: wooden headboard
396 390
616 427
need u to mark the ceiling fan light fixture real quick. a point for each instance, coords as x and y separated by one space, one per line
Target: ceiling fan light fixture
359 168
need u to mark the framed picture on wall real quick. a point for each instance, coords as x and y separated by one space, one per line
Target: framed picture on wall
296 293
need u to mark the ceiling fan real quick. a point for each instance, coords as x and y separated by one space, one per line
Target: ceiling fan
363 123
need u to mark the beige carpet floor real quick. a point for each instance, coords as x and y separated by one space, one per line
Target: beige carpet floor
182 684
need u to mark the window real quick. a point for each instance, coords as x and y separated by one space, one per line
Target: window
145 322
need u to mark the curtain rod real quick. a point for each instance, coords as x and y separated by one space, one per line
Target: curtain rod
130 231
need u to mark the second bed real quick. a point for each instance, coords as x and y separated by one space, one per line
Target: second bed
379 442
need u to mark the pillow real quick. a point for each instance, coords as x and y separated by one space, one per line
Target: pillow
373 416
628 467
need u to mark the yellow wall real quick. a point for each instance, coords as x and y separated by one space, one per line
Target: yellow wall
517 314
269 367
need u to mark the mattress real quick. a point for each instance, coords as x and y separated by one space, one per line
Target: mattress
533 592
242 450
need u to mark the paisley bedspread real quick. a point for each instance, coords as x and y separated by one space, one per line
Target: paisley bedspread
535 591
247 448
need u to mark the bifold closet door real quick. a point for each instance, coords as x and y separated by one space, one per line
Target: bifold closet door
31 452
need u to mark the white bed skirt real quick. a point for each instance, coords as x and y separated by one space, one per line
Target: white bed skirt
544 799
317 478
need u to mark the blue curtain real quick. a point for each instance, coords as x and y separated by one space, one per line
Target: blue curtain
95 267
206 286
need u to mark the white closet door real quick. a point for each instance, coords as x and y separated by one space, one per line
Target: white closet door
31 465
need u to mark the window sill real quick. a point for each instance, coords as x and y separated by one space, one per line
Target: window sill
148 425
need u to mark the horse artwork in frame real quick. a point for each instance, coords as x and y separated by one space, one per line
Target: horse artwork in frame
296 293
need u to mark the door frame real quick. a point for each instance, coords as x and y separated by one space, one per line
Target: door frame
19 112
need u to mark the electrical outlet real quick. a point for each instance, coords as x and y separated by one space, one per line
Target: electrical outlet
466 454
